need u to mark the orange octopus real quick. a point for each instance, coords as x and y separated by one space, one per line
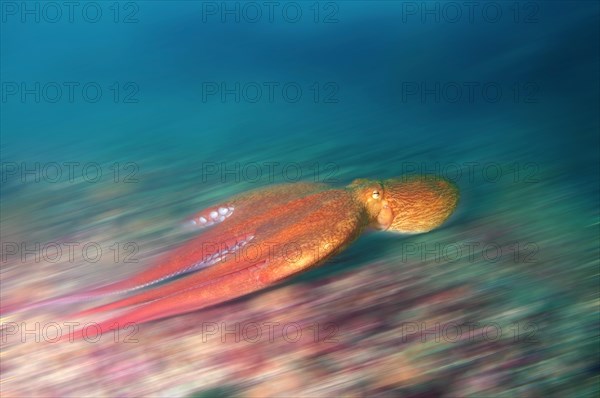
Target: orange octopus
261 237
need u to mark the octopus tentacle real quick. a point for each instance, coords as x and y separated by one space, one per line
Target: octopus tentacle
256 202
231 285
333 223
267 237
196 254
211 216
224 267
206 253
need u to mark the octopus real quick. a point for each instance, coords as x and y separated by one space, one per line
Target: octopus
259 238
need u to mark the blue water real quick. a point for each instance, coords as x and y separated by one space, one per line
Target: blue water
186 115
385 88
372 55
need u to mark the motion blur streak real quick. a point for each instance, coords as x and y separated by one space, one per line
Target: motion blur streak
119 121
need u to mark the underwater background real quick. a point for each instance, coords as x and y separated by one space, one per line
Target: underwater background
120 119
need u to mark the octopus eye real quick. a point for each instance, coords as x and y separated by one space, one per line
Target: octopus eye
375 194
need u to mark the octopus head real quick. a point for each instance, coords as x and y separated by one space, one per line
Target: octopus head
411 205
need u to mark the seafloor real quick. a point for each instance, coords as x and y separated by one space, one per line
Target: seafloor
515 316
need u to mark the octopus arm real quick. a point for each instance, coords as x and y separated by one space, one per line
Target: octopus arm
211 247
334 222
256 202
211 250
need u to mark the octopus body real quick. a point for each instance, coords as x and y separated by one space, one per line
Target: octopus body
261 237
